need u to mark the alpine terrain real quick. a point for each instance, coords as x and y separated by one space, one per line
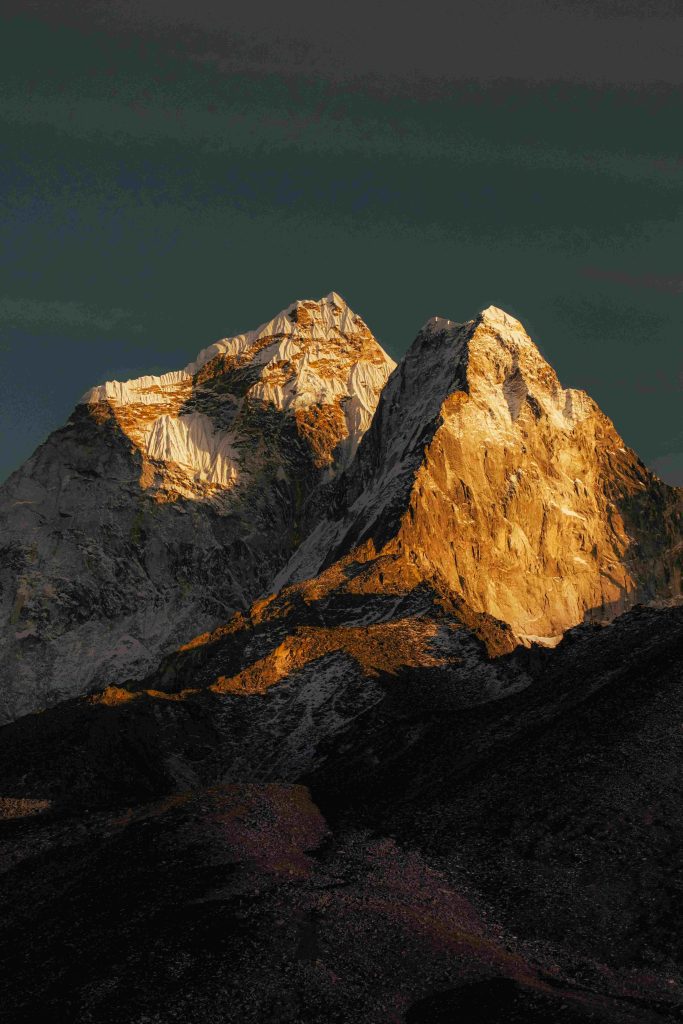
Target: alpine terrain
165 503
375 683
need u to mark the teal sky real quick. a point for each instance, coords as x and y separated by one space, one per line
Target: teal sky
161 190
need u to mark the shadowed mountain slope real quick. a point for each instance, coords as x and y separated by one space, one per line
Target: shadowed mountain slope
459 851
167 502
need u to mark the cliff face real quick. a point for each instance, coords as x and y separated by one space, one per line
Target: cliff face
482 474
166 503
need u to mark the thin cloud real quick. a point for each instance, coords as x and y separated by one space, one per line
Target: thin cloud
252 128
36 313
671 284
606 41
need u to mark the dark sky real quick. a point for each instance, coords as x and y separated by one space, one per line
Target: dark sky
177 172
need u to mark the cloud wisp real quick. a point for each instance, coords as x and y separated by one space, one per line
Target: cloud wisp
40 314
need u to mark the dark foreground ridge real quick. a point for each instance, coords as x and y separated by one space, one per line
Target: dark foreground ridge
512 859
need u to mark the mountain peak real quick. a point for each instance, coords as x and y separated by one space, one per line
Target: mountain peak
492 352
481 470
324 321
314 358
495 315
335 299
492 315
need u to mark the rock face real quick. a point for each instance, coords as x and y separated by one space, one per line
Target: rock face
166 503
483 476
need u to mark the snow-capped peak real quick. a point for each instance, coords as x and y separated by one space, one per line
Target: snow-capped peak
320 319
323 320
493 314
315 359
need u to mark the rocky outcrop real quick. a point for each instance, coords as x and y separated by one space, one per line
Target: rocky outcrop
482 475
166 503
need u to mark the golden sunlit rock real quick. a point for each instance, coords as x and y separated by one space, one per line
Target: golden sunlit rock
482 474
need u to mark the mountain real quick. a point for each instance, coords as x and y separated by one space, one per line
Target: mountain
165 503
482 500
483 476
369 795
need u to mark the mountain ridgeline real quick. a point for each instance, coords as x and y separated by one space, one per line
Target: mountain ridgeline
292 459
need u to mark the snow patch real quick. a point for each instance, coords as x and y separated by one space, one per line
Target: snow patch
146 390
570 512
542 641
191 442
